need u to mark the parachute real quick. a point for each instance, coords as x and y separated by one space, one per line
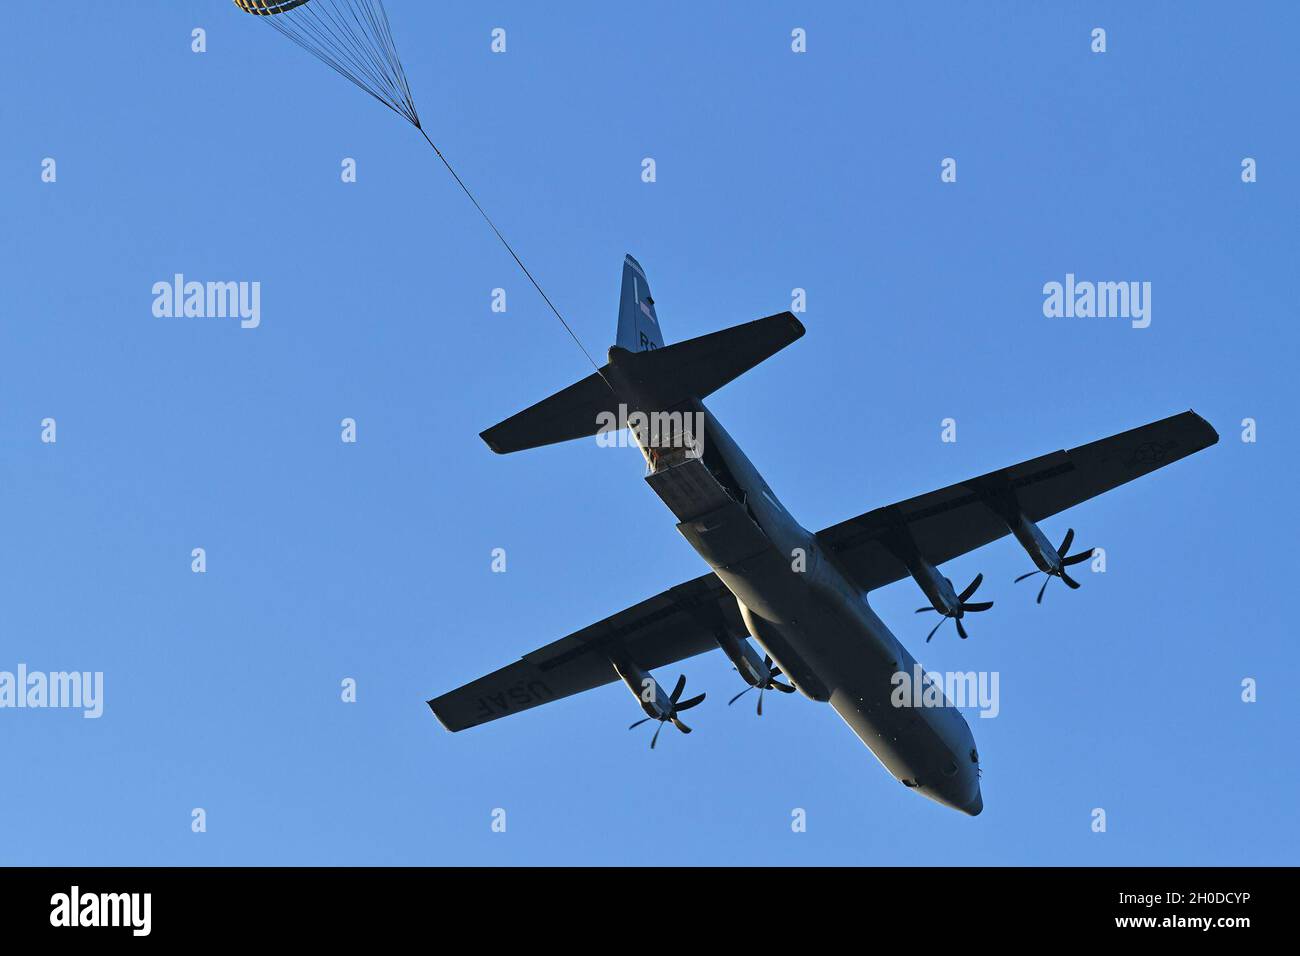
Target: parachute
353 38
350 36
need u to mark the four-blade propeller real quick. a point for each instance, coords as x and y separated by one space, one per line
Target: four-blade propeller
674 708
962 607
771 684
1062 562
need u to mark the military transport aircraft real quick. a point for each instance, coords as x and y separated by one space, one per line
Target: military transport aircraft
801 596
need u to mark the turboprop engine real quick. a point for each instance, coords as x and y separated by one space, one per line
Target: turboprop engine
1048 560
656 704
938 589
945 600
756 672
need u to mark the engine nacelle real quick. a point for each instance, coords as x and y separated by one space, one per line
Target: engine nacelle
1035 543
1006 505
937 588
745 658
649 695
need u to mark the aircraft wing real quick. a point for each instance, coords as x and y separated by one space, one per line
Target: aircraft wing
679 623
953 520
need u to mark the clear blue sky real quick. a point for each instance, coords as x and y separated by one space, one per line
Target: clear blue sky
775 171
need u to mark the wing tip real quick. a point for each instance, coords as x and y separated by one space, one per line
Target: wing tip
441 719
1208 434
488 440
797 328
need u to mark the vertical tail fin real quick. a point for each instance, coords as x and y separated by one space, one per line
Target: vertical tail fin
638 325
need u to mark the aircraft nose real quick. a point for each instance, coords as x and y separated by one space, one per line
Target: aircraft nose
976 806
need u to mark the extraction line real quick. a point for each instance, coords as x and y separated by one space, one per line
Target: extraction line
514 255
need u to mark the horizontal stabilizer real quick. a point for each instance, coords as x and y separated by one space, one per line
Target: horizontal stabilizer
570 413
699 367
672 374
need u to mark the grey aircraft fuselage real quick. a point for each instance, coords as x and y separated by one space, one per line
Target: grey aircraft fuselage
799 604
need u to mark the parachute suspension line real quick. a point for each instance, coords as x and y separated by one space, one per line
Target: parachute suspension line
353 38
514 255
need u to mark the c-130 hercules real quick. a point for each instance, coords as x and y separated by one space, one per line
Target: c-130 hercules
801 596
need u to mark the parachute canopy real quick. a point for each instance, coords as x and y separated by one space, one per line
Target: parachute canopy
266 8
352 37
